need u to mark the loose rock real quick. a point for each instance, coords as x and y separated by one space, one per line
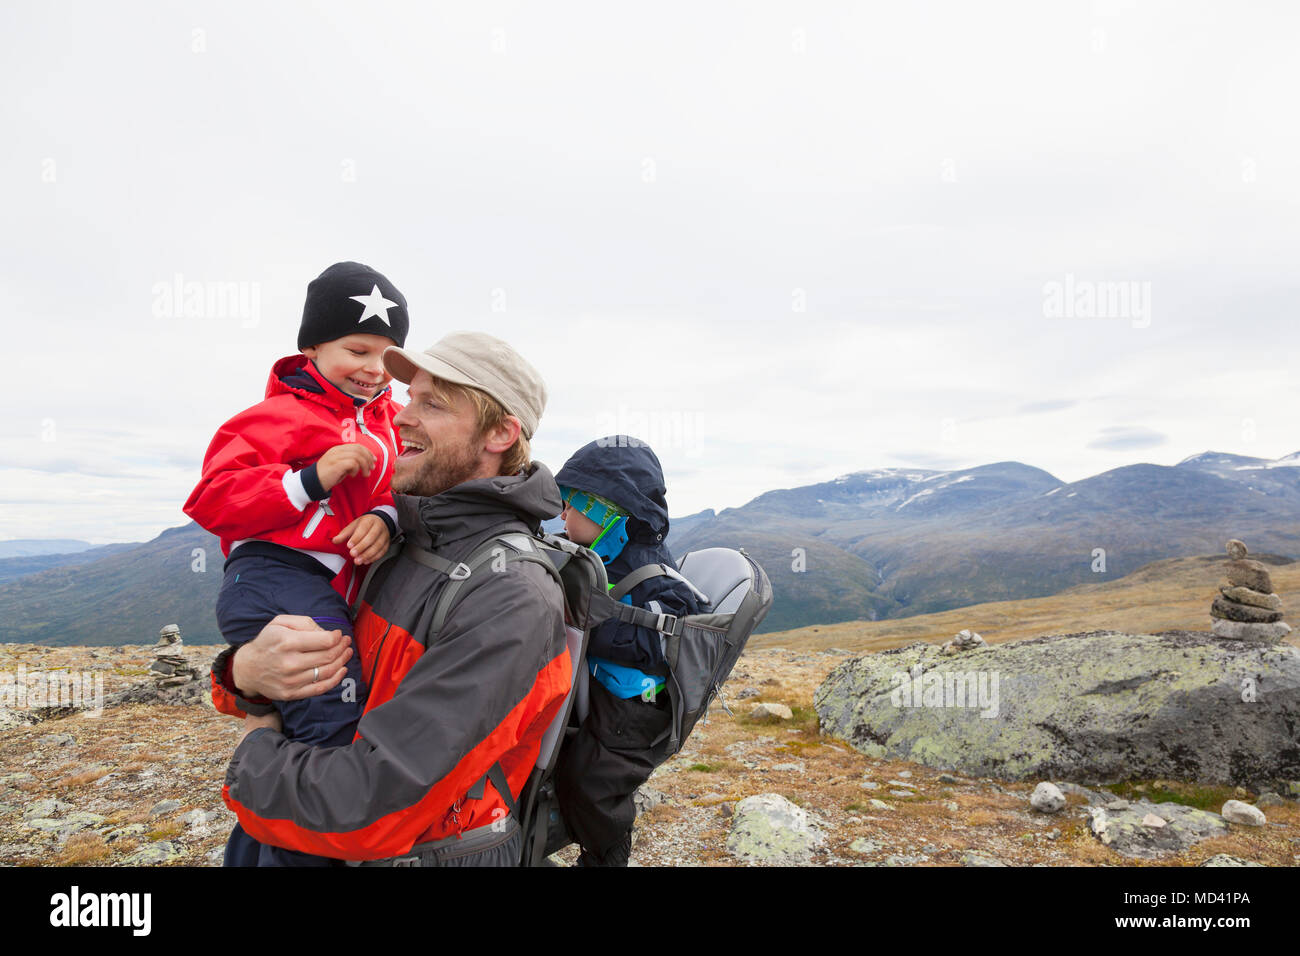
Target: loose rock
45 808
770 829
1234 811
976 858
1125 832
1249 574
1256 633
1270 602
153 854
778 711
164 807
1223 859
1047 798
646 798
1228 610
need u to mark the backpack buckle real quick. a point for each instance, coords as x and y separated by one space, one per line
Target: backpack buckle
667 623
460 572
406 861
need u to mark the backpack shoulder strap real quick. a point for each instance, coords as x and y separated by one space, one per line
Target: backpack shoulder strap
646 572
395 547
516 546
633 578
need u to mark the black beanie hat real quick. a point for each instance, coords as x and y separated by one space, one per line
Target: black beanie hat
348 298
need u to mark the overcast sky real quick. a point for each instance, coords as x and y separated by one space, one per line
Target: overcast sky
780 242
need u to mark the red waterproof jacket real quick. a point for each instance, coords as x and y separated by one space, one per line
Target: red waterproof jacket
442 708
259 473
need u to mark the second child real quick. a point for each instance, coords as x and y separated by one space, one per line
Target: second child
614 503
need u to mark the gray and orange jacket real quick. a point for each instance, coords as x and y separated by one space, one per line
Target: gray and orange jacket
438 716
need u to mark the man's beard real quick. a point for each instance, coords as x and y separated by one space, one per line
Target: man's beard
440 468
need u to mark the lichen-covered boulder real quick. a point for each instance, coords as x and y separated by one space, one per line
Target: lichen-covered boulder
769 828
1135 831
153 854
1101 707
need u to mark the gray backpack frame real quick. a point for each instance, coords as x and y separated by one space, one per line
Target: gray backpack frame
701 649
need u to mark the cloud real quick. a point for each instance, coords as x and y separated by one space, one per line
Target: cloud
925 460
1124 438
1051 405
768 294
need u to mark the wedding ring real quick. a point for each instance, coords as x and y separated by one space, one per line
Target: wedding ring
315 674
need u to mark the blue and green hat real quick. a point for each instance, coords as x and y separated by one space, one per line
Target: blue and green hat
611 518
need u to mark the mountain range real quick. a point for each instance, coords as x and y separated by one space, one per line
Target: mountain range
901 541
871 545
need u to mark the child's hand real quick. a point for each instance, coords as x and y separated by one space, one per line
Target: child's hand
367 538
343 461
251 723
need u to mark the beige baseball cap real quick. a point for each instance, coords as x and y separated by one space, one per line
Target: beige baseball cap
480 361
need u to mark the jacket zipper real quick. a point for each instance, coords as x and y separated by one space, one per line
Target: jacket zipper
322 509
382 447
378 650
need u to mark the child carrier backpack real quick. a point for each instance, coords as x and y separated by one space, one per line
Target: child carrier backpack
700 649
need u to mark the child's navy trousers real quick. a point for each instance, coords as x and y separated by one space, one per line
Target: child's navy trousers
263 580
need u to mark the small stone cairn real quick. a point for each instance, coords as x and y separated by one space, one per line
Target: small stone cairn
1246 609
170 667
965 640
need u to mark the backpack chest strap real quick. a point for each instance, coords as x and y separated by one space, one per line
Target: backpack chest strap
605 608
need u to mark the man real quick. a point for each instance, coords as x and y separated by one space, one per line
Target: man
451 730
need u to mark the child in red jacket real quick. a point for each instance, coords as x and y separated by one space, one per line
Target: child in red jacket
297 488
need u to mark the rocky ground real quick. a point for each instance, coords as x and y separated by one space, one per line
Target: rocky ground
140 785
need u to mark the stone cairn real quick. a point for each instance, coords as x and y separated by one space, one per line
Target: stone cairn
1246 609
965 640
170 668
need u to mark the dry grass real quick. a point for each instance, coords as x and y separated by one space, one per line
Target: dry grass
81 779
735 757
164 831
84 848
1185 587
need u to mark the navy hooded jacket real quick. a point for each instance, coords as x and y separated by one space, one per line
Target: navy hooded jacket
625 471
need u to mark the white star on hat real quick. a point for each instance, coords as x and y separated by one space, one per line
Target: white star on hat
375 304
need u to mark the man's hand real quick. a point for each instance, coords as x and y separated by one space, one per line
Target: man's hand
251 723
367 538
343 461
290 659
